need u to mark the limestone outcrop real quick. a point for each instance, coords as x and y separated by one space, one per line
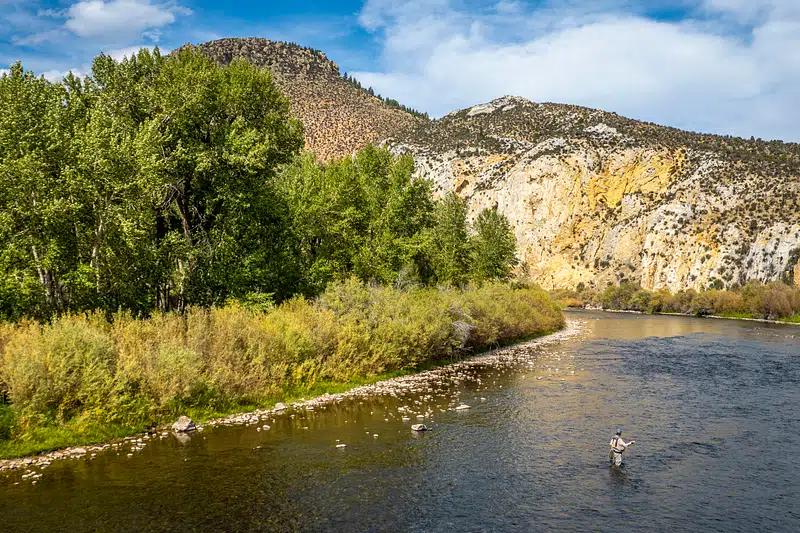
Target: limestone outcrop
596 198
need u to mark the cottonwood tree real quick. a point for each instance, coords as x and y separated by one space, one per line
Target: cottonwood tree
361 215
493 247
40 208
447 243
213 141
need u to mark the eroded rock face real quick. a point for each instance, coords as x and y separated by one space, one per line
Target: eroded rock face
596 198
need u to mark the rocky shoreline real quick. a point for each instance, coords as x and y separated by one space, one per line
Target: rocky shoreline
33 465
719 317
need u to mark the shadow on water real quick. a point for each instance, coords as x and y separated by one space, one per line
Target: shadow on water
713 406
618 478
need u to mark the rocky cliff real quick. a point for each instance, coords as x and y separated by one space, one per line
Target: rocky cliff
597 198
339 116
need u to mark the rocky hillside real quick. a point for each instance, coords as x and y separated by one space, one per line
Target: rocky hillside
597 198
594 197
339 116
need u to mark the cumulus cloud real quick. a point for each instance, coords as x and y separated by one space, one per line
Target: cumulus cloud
100 18
119 54
725 67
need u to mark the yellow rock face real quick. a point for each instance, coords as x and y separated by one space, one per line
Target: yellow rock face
645 173
595 216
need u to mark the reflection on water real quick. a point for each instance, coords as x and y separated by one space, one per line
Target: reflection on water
713 405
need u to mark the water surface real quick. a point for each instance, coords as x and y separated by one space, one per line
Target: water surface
713 405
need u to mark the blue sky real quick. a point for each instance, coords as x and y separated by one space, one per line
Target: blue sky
722 66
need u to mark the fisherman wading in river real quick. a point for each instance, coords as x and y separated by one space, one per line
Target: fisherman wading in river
617 447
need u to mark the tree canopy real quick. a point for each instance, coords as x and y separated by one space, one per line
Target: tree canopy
159 182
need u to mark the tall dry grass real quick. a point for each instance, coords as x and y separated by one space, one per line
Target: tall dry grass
84 371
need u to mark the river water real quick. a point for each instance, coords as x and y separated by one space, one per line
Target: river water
713 405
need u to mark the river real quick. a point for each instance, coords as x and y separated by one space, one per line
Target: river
714 407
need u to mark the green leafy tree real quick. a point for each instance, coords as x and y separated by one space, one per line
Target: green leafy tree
493 247
447 242
117 245
213 140
148 184
398 209
360 215
41 212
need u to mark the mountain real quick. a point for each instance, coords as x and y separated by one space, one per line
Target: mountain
597 198
594 197
338 114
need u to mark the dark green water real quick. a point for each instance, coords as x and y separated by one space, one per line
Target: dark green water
714 407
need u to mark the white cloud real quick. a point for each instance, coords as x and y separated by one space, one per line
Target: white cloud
750 11
100 18
55 75
4 71
699 73
121 53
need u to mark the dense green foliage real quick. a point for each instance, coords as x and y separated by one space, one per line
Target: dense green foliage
367 216
141 187
447 241
84 375
159 183
774 301
362 215
493 248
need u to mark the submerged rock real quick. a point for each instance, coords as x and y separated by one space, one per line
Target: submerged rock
183 425
419 427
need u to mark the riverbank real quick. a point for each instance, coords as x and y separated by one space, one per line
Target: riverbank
379 385
82 380
774 302
689 315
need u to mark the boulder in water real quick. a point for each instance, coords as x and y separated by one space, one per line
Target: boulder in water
419 427
183 425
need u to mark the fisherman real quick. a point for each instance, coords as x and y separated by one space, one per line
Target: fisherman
617 447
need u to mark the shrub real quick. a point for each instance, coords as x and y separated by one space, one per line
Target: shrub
772 301
7 422
155 359
60 369
86 371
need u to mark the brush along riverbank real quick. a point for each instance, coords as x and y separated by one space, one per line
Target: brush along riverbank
84 379
32 467
795 322
775 302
